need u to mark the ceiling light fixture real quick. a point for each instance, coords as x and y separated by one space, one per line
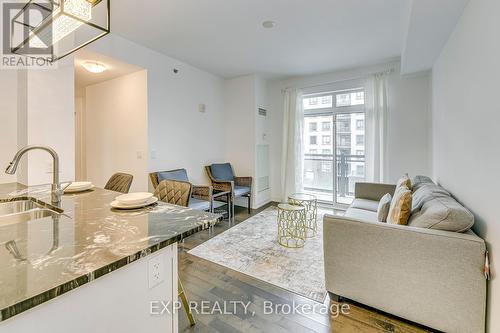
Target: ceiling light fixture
94 66
268 24
58 27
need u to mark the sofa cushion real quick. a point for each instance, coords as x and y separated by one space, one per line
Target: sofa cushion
400 209
365 204
426 192
241 190
383 208
361 214
199 204
418 181
404 181
180 174
442 212
222 171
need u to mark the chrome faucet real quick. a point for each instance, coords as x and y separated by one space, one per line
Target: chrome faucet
56 186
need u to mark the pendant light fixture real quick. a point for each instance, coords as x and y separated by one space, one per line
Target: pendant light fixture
57 28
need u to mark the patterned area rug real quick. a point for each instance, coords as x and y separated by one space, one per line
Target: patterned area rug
252 249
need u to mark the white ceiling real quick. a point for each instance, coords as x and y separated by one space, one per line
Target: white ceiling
226 37
429 28
115 68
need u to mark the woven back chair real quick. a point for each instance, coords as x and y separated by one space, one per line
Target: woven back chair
153 176
119 182
174 192
238 186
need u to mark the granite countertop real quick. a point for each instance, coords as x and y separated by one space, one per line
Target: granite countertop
44 258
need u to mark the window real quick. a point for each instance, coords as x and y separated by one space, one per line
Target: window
326 167
343 126
360 124
350 99
311 103
334 137
360 170
326 101
345 151
345 140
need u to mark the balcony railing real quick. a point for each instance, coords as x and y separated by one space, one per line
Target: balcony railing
319 178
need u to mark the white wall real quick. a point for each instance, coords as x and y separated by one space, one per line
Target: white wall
116 130
179 135
409 125
239 98
37 108
50 121
8 122
466 134
262 127
245 130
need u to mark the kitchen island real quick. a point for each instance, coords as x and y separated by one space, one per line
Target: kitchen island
89 267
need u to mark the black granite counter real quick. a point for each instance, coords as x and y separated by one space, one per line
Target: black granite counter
47 257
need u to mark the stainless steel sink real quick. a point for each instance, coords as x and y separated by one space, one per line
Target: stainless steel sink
21 210
18 206
34 214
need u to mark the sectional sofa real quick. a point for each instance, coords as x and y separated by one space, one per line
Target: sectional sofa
430 271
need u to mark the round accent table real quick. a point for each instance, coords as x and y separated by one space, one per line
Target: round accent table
291 225
310 203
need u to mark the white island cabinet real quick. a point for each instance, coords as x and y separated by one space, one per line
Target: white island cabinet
120 302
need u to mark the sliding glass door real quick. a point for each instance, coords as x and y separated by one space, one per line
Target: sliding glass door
334 134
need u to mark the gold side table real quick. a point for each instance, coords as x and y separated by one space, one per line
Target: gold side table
310 204
291 225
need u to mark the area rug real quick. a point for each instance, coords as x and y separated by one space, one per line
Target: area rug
251 248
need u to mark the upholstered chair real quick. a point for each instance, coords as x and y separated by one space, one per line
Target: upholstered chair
119 182
174 192
223 179
201 196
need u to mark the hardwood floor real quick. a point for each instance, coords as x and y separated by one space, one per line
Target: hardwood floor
207 281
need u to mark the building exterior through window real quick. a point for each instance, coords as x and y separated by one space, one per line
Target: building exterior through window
338 119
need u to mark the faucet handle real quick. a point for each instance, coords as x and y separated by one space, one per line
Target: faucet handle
11 168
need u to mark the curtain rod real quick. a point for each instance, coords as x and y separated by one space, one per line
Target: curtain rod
387 71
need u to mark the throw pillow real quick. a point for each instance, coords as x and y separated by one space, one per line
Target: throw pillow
383 208
404 181
400 210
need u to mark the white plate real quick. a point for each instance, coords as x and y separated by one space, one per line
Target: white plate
134 198
78 187
118 205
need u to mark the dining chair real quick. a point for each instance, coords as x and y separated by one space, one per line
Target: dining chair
223 179
119 182
178 193
202 196
175 192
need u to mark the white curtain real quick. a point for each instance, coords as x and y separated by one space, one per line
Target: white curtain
376 126
292 163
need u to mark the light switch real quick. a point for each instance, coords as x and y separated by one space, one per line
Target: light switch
139 155
202 108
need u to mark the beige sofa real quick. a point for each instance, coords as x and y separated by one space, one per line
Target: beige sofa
419 272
